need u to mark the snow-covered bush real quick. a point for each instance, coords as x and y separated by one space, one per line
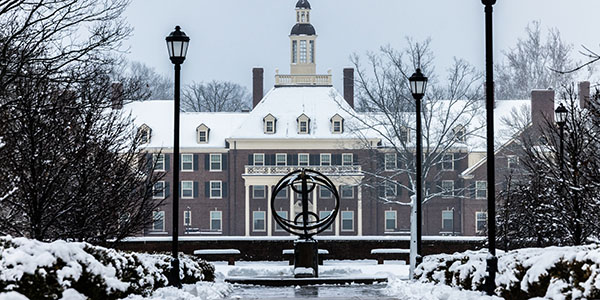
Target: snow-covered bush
41 270
552 272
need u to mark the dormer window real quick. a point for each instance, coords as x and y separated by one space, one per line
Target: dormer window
337 124
303 124
269 123
144 133
405 134
202 132
460 133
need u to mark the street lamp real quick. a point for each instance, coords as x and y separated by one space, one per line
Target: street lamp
561 119
418 84
177 44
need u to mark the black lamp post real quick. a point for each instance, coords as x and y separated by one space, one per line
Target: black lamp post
177 44
561 119
418 84
492 260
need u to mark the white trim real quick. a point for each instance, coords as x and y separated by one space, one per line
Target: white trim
451 192
321 217
395 161
247 210
255 155
446 161
155 159
307 159
189 212
182 189
164 190
220 161
254 190
342 193
264 218
285 161
321 155
485 189
154 220
452 219
220 218
385 219
277 227
191 162
390 185
210 185
352 219
351 159
476 219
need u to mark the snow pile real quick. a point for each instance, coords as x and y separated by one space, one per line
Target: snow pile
60 269
552 272
198 291
408 290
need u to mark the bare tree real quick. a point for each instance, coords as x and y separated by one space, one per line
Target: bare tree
141 82
449 116
215 96
530 64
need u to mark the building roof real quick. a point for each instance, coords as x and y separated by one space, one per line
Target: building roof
303 28
303 4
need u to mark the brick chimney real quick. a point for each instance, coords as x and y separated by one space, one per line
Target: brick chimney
349 86
542 107
116 96
257 85
584 94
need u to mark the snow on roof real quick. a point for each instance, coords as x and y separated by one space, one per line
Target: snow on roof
158 115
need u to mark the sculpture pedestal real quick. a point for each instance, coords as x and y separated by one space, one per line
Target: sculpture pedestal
306 259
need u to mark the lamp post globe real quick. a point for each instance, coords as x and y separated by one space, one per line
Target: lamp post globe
177 45
560 115
418 84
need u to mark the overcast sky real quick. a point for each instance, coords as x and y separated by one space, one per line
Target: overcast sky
229 37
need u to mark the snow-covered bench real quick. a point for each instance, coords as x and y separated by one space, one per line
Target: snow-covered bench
229 254
390 253
290 254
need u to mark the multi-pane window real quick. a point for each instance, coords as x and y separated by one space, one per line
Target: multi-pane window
324 193
447 188
187 189
258 191
324 214
512 161
302 51
460 133
159 162
159 190
391 189
480 221
390 161
347 159
448 162
159 221
347 191
187 162
215 190
303 159
215 162
312 50
481 189
259 159
283 214
258 221
202 136
390 220
303 126
325 159
447 220
280 159
294 52
347 220
282 194
187 218
337 126
216 220
269 126
144 132
405 134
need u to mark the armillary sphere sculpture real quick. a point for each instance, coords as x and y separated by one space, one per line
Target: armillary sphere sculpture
306 223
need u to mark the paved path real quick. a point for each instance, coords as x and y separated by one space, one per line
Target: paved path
336 292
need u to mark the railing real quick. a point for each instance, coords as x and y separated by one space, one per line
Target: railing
303 80
282 170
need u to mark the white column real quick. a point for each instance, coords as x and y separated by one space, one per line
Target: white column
291 213
269 216
359 210
315 193
338 222
247 210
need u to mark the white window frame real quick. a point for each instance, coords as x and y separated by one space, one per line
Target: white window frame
262 159
145 133
283 214
159 158
154 219
451 219
407 131
342 191
395 218
220 189
451 161
271 124
190 162
324 214
303 126
477 213
303 51
284 191
321 189
154 190
254 189
394 161
514 163
187 218
216 161
307 159
212 215
190 188
284 155
351 213
328 155
254 219
202 136
390 186
447 193
338 124
351 159
477 188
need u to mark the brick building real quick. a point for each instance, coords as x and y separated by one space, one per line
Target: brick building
231 161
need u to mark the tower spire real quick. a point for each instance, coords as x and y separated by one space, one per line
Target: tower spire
303 42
